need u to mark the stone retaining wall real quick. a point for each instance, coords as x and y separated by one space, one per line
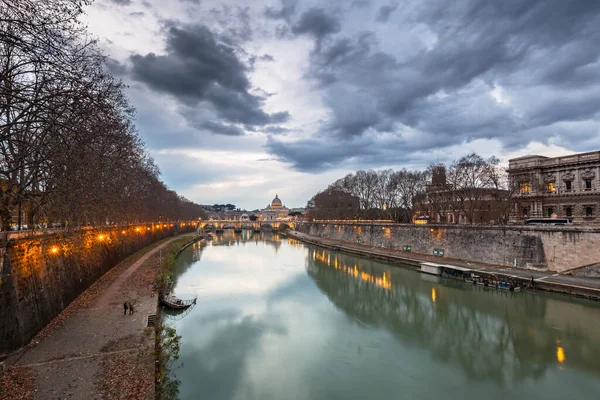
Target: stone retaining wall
553 248
42 275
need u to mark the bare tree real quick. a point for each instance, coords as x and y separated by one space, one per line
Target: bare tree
469 176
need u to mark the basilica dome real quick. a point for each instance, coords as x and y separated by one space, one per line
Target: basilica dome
276 203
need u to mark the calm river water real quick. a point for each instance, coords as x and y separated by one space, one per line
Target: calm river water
277 319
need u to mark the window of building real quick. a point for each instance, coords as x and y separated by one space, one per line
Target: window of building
551 187
550 211
589 212
568 185
588 184
569 211
525 187
525 213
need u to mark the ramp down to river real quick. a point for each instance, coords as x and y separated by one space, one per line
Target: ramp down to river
543 280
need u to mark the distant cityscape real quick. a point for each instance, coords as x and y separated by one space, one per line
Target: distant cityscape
471 190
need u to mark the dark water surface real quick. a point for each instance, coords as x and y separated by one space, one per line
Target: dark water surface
277 319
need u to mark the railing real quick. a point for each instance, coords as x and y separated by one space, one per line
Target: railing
573 159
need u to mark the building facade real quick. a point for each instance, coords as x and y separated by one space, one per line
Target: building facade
441 203
563 187
275 211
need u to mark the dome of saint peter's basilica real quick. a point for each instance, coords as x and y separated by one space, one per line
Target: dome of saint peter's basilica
276 203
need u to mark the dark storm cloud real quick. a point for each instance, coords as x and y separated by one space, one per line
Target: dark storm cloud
543 54
360 3
137 14
234 22
115 67
317 23
199 70
384 12
318 154
285 12
276 129
221 129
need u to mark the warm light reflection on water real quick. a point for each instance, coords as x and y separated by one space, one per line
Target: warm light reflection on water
560 354
381 281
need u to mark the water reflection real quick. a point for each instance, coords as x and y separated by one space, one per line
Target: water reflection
489 334
280 320
338 263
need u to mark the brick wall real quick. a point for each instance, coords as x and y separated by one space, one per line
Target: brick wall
553 248
42 275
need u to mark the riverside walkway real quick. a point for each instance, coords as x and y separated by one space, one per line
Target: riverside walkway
543 280
92 350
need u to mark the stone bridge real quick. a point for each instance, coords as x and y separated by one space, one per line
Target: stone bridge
237 224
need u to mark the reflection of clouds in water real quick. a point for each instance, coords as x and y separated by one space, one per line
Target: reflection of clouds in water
281 369
227 271
217 365
300 288
213 256
246 283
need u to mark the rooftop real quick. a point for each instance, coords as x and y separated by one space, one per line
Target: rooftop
531 161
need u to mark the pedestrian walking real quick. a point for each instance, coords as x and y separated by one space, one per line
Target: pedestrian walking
124 308
130 308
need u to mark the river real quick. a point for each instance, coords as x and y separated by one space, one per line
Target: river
278 319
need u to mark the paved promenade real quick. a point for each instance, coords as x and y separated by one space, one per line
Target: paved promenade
92 350
543 280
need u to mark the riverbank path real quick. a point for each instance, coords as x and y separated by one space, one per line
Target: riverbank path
92 350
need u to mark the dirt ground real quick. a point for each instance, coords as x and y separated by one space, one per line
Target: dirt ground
92 350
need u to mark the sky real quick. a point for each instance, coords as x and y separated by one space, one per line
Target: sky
240 100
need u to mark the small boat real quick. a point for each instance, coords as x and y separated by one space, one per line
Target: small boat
173 302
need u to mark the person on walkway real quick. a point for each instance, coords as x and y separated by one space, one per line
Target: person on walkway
124 308
130 308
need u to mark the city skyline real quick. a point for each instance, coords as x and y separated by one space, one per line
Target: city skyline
238 101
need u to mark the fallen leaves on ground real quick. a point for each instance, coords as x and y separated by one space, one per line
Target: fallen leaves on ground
128 375
17 383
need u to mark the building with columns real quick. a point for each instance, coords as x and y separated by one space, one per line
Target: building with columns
275 211
565 187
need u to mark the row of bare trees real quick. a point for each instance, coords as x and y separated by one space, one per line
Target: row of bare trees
370 194
69 151
464 187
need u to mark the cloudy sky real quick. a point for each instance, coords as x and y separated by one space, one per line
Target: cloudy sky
239 100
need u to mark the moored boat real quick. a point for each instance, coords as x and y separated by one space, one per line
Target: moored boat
171 301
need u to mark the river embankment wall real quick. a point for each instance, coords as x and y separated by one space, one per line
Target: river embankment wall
40 276
545 248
